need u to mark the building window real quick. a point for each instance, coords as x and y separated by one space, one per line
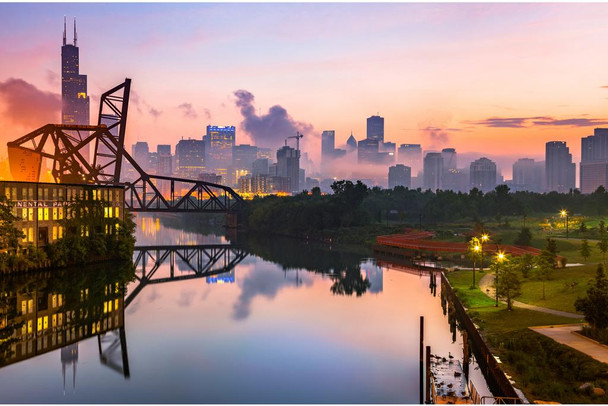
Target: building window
30 214
55 216
24 307
30 306
54 233
30 234
116 212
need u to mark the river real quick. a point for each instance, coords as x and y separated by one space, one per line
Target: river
269 320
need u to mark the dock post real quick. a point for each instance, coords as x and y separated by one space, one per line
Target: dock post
421 359
427 381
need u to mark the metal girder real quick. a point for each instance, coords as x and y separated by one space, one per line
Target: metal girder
64 146
201 261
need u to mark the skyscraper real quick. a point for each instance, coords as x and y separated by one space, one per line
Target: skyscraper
528 175
594 161
74 96
328 143
433 169
560 172
288 166
141 153
483 174
410 155
399 175
220 140
450 158
190 158
375 128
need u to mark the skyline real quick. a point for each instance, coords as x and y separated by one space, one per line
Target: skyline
480 78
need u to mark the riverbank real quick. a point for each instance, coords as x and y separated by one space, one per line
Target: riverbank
542 368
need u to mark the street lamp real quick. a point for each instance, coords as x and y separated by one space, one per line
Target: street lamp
476 249
500 256
484 237
564 214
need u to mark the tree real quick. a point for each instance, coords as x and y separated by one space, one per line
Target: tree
583 227
551 246
602 227
526 264
524 237
602 245
509 285
544 267
585 250
9 234
595 304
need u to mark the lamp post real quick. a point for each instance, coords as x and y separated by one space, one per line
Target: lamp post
476 249
484 237
564 214
500 256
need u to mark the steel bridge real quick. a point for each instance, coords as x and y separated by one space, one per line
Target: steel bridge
67 147
200 260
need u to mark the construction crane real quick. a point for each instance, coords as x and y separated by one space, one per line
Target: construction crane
297 137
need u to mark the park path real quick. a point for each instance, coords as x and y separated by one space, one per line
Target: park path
486 282
566 335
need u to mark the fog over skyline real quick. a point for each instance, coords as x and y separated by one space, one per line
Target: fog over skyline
488 79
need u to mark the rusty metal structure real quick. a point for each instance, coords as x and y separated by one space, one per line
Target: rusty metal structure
64 144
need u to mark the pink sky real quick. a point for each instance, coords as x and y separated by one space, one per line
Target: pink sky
496 79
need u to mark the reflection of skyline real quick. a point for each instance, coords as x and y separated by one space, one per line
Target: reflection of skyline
375 276
152 230
264 281
227 277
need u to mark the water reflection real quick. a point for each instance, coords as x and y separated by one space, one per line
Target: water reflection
245 320
47 311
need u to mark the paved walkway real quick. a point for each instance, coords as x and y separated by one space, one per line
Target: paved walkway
486 282
565 335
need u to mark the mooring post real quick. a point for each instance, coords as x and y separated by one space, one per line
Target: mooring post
427 381
421 359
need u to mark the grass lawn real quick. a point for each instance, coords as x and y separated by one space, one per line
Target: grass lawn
542 368
558 295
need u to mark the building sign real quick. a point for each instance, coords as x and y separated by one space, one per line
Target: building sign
40 203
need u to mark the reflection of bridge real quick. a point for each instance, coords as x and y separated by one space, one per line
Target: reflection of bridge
200 261
67 147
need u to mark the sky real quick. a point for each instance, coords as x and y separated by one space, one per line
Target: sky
497 80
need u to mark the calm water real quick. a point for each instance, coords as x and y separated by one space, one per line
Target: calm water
287 322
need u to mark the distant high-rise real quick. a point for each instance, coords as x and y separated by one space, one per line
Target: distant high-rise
483 174
528 175
450 159
433 169
288 166
560 172
164 163
190 158
243 157
260 167
399 175
594 161
328 143
367 151
141 153
351 143
410 155
220 140
74 96
375 128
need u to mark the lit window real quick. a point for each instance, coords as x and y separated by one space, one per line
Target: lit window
60 232
46 214
46 322
54 300
30 232
40 213
54 232
39 324
54 320
30 214
55 216
116 212
30 326
24 307
30 306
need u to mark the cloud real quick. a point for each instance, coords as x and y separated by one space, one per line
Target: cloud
52 77
186 298
604 87
154 113
268 130
28 106
527 122
140 103
188 110
207 114
265 282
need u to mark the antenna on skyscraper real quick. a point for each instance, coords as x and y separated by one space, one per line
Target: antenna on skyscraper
64 30
75 31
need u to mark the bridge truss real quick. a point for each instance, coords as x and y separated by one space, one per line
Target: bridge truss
199 261
67 147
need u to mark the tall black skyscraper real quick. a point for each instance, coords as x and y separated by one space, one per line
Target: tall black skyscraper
375 128
74 96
